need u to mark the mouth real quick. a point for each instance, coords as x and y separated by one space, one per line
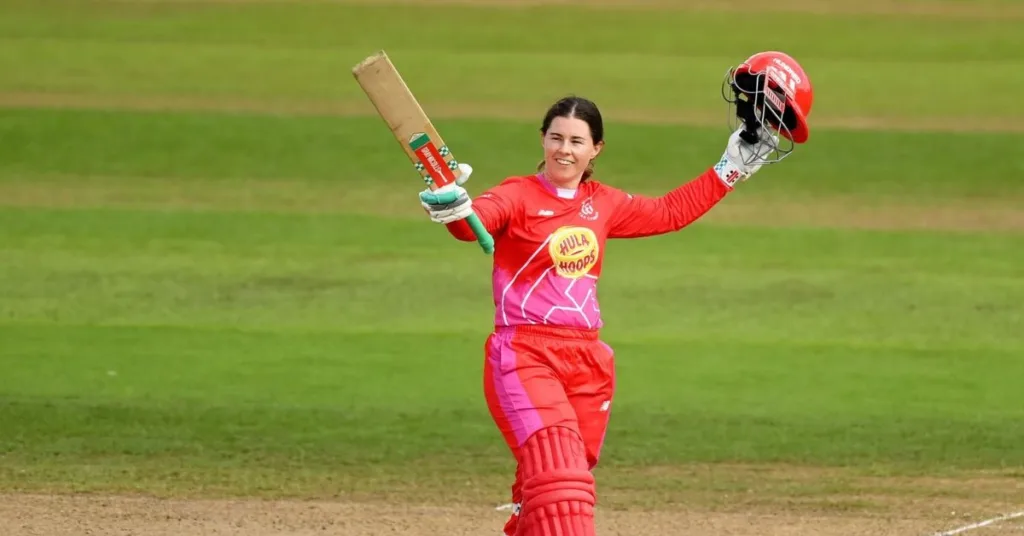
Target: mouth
564 162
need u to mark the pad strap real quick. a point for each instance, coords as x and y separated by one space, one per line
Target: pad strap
558 488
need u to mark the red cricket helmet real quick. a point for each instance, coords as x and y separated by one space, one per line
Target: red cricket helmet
771 87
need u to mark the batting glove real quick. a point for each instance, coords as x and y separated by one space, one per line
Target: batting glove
741 159
450 202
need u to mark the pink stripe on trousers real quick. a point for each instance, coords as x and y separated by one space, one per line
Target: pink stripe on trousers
512 397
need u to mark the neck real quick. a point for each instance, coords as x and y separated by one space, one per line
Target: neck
570 184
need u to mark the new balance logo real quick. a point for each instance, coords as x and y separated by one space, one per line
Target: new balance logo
545 212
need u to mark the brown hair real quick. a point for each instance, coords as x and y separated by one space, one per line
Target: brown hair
580 108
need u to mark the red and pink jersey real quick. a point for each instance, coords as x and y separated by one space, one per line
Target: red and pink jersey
549 243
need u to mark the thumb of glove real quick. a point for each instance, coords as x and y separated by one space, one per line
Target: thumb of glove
751 156
439 197
465 170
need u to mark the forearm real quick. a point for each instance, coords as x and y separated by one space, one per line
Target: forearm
491 216
674 210
461 231
689 202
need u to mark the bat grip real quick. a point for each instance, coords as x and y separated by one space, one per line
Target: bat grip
484 238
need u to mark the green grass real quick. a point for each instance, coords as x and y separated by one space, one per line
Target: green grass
260 343
338 272
627 60
196 302
911 167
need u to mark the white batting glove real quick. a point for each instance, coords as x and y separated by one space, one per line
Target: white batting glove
451 202
741 159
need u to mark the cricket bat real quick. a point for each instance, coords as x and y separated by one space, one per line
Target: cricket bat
413 130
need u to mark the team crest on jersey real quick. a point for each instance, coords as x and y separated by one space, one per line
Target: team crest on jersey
573 251
587 211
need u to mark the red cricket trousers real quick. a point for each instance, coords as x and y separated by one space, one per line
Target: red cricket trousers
542 376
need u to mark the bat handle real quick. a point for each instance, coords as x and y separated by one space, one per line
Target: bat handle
484 238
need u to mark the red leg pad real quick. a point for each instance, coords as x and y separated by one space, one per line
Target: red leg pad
558 489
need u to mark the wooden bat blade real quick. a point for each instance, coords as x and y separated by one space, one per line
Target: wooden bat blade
398 107
413 130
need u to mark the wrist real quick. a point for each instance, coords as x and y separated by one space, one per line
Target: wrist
728 172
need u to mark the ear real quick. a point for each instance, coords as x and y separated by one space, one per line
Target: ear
597 149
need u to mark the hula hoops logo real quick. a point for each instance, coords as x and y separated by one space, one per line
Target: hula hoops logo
573 251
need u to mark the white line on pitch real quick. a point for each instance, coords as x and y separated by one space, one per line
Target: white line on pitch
980 524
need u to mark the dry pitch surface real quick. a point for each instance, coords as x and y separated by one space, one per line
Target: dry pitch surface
718 500
45 515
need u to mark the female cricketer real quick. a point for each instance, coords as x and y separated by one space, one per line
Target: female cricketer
548 378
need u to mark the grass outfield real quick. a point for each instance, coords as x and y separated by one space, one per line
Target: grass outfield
215 278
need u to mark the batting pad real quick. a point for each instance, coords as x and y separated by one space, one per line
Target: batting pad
558 489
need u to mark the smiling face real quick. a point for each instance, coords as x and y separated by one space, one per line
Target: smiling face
572 135
568 149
